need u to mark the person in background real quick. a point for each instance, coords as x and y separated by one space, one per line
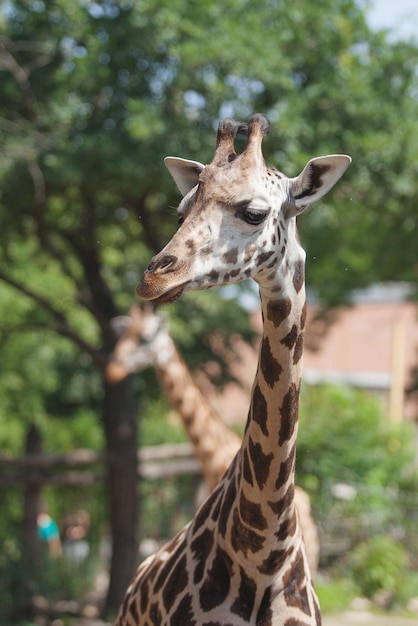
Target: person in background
48 532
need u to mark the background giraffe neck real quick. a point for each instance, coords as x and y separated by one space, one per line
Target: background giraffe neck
214 443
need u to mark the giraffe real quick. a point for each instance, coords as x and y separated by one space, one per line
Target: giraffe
144 340
241 559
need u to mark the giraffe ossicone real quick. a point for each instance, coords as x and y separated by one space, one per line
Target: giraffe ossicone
241 560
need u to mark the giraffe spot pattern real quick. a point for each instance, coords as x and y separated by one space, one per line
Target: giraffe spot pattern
262 471
299 276
289 413
203 514
296 593
213 276
264 257
153 571
217 624
231 256
248 476
226 507
201 548
287 528
216 585
216 509
175 583
264 615
278 311
251 513
244 604
317 609
291 337
144 596
281 505
259 409
190 245
270 368
206 251
184 613
286 468
303 316
155 613
162 576
297 355
244 538
275 560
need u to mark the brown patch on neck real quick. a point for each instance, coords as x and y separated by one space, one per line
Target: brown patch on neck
278 311
289 413
270 367
299 276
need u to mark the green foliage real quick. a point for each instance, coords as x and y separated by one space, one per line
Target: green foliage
380 564
157 427
63 579
344 434
364 481
93 95
335 595
167 506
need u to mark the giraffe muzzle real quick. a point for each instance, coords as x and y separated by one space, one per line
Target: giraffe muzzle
157 282
162 265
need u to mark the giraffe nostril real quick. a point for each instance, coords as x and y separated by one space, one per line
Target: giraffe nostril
162 264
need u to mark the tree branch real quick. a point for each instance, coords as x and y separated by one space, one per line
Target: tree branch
60 324
151 234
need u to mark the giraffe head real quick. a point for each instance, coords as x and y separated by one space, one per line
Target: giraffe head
141 341
237 215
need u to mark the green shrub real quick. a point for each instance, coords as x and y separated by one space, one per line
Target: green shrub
335 595
380 564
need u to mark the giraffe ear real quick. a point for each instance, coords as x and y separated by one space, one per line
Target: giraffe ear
185 172
317 178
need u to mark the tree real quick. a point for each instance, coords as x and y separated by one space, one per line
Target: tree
93 95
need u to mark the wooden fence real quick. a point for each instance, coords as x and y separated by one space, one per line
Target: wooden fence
84 467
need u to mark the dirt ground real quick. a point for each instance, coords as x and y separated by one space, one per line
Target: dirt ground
349 618
365 618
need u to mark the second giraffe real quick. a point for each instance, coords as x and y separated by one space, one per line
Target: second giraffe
144 341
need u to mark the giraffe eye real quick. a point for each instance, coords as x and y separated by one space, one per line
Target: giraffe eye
252 216
181 219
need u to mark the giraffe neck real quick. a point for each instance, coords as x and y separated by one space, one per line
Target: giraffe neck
265 527
214 443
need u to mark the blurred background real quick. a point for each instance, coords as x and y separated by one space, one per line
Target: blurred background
97 472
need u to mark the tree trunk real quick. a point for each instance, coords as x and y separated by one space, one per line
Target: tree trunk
30 541
31 509
120 424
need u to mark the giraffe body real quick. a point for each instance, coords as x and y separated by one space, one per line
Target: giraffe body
241 560
144 341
